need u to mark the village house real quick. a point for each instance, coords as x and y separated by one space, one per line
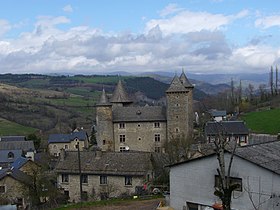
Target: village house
123 126
255 168
232 130
218 115
68 142
105 174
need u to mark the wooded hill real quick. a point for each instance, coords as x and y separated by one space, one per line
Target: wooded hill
59 103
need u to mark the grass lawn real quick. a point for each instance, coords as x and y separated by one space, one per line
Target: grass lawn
11 128
267 121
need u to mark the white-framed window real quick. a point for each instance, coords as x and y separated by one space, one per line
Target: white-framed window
65 178
84 178
128 180
66 146
157 149
121 125
157 137
122 149
122 138
157 125
103 180
2 189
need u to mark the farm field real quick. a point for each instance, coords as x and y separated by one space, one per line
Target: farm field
11 128
267 121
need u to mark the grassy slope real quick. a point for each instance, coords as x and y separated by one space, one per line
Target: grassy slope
267 121
11 128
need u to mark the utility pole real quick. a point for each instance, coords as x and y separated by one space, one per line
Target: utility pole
80 173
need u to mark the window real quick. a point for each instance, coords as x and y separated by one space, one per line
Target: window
122 149
122 138
157 137
65 178
177 130
77 146
232 181
192 206
139 138
121 126
157 149
103 179
54 146
11 155
156 124
128 180
104 142
66 193
139 125
84 178
66 146
2 189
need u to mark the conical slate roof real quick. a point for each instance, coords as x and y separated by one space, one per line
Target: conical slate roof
176 85
120 95
103 99
185 81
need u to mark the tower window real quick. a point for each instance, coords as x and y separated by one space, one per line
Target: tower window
156 124
122 138
157 137
122 149
157 149
121 126
104 142
177 130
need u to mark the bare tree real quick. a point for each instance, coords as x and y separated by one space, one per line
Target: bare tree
276 81
271 81
226 187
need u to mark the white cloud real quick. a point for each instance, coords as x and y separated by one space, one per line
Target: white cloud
4 27
170 9
267 22
188 21
68 8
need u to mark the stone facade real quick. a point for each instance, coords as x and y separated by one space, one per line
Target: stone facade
11 189
122 126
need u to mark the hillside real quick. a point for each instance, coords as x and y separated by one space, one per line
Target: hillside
58 103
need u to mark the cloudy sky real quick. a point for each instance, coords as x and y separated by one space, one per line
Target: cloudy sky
91 36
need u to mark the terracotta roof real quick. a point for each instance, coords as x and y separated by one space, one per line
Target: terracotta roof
226 127
139 114
120 95
64 138
176 85
114 163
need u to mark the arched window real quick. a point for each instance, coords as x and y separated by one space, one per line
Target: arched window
11 155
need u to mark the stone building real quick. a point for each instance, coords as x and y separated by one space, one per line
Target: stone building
105 174
122 126
70 142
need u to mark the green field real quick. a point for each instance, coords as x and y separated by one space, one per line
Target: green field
11 128
267 121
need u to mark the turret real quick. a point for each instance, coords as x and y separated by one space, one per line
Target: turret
120 96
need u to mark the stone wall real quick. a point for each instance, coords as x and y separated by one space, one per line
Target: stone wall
55 148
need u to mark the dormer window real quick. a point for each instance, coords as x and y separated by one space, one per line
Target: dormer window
11 155
121 125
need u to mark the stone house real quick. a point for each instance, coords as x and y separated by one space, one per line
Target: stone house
232 130
123 126
255 168
13 183
68 142
104 174
218 115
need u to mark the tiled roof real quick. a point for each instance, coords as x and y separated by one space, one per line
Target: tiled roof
226 128
64 138
265 155
103 99
17 145
139 114
4 155
12 138
183 78
114 163
19 162
120 95
16 174
218 113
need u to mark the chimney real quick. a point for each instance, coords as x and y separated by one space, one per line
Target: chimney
62 154
98 154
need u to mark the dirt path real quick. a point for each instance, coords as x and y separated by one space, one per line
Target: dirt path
133 205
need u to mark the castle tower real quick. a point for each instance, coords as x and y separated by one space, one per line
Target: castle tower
104 121
120 96
179 98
